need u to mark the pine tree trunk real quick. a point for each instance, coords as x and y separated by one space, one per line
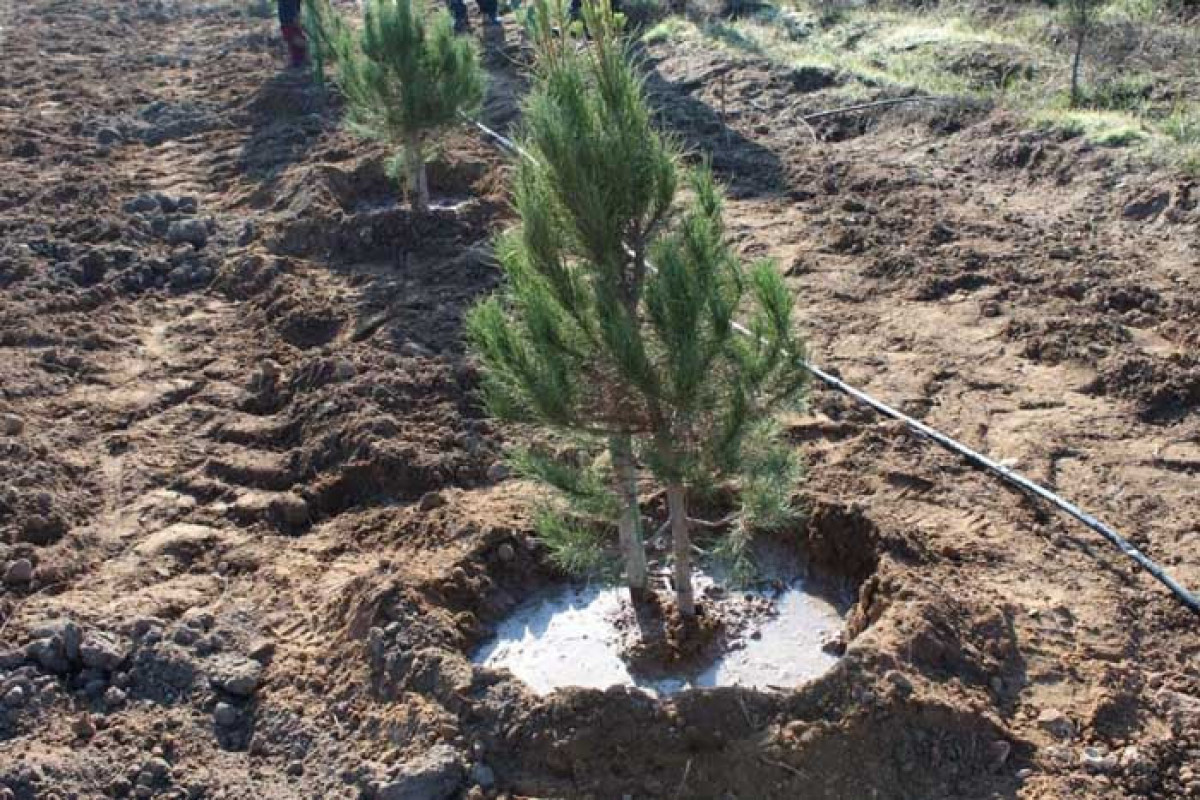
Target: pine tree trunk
633 551
1080 36
681 546
418 184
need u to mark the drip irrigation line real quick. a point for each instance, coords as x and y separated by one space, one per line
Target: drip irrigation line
892 101
1006 474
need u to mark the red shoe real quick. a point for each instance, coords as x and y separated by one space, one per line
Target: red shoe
297 44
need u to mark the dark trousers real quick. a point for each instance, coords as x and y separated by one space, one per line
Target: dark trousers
459 9
289 12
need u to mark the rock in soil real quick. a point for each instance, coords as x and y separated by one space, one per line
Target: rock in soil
11 425
188 231
436 775
226 715
19 572
236 675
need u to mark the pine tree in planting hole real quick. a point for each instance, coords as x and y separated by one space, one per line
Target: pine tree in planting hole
617 318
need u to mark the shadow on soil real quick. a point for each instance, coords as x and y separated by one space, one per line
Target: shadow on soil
746 168
288 115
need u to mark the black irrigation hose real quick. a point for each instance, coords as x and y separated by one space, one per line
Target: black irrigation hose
1005 474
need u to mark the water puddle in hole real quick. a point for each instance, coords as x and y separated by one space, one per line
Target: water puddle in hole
570 637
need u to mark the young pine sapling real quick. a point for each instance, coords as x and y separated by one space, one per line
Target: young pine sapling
589 336
406 76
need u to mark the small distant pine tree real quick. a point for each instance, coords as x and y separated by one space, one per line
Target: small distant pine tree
1081 17
406 76
589 337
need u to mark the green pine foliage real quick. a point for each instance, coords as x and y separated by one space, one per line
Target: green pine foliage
406 76
324 29
584 488
574 548
618 317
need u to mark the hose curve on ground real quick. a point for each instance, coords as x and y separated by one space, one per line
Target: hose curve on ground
1009 476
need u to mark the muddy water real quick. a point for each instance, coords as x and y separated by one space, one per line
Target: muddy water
570 637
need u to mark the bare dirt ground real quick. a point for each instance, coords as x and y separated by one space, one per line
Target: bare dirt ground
266 526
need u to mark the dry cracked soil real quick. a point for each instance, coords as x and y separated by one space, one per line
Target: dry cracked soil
252 522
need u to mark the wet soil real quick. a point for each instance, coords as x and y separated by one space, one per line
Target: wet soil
250 528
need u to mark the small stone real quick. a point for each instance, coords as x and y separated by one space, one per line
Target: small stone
226 715
506 552
142 204
114 697
343 369
120 787
188 231
1056 723
11 425
49 653
261 650
296 768
83 727
101 651
482 775
1130 758
207 645
198 620
436 775
1025 773
291 508
835 645
185 636
107 136
898 679
1095 759
186 204
432 500
238 676
248 233
497 472
72 637
19 571
15 697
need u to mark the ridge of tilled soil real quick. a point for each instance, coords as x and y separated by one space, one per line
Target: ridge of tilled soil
265 519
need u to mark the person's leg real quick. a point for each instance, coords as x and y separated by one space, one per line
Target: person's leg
289 13
490 9
459 10
293 34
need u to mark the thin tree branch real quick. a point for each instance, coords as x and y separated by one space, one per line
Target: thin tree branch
781 765
716 524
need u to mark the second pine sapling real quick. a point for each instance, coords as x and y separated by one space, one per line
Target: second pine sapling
406 76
